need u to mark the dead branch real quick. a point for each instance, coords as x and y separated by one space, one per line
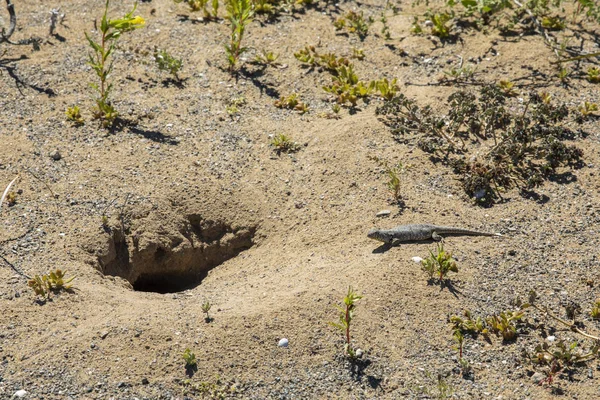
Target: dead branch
5 36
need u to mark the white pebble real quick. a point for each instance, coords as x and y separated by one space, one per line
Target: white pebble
417 259
20 393
383 213
551 338
283 342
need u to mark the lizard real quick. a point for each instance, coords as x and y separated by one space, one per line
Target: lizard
416 232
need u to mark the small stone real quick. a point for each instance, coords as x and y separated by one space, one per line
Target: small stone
417 259
283 342
103 334
93 345
55 155
145 381
359 353
551 338
20 393
383 213
538 377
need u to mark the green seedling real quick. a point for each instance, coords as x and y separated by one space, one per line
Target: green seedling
386 88
504 324
393 174
586 108
508 88
415 27
74 116
593 75
311 59
166 62
595 313
439 23
553 23
55 281
439 264
11 198
292 103
111 31
560 357
467 324
206 306
197 5
267 58
264 6
385 30
190 358
240 15
358 54
345 319
234 105
564 74
461 73
283 144
347 87
353 22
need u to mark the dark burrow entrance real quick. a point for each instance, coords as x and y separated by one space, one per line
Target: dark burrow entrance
169 262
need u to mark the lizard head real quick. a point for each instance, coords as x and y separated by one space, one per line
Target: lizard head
377 234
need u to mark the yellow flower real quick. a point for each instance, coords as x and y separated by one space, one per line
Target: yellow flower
128 23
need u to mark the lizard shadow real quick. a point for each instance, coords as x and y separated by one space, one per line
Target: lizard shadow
387 246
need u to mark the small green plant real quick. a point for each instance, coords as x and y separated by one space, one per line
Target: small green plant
190 358
111 31
508 88
468 324
354 22
292 102
564 74
504 324
554 23
593 75
166 62
206 306
345 319
415 27
586 109
393 174
358 54
267 58
197 5
240 15
235 104
386 88
439 24
309 57
214 389
347 87
385 30
54 281
74 116
595 313
439 264
283 144
460 74
560 357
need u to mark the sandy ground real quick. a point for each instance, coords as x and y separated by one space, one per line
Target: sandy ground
201 207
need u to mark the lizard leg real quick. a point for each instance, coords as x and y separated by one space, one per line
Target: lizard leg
436 237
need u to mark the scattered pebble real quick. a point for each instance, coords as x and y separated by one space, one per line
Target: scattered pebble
551 338
20 393
538 377
283 342
383 213
55 155
417 259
